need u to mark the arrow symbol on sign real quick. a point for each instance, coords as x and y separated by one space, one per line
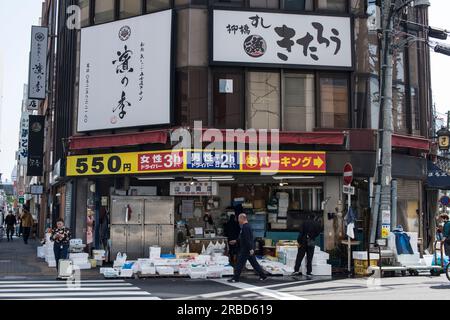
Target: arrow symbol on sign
318 162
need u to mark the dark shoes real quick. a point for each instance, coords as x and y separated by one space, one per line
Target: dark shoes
263 278
296 273
232 280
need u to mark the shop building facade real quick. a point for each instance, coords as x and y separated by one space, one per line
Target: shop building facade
320 94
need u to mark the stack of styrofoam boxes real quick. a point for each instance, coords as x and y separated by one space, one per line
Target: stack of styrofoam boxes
48 251
283 205
99 256
145 267
41 252
81 260
287 255
406 259
154 252
319 263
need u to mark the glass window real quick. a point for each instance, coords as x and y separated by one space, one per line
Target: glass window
334 102
332 5
104 11
234 3
156 5
228 99
263 100
272 4
84 6
192 97
130 8
298 112
300 5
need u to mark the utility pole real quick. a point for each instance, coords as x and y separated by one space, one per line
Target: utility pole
386 150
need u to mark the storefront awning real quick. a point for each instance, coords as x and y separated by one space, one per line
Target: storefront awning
401 141
300 138
117 140
437 178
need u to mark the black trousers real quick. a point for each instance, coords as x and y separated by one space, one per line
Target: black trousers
302 250
242 260
9 232
447 248
61 252
26 234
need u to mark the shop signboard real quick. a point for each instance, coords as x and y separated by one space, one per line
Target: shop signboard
35 165
23 139
194 188
37 72
212 160
148 162
281 39
125 73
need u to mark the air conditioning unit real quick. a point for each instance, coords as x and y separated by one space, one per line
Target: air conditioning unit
374 19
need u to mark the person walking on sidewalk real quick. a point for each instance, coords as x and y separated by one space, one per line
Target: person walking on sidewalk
246 250
446 233
309 230
61 237
10 222
27 223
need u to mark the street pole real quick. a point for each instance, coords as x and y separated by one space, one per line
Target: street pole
386 151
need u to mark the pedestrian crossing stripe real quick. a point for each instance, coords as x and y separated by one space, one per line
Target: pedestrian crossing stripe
84 289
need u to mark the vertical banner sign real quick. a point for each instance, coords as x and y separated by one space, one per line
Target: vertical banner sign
23 139
36 146
37 72
32 104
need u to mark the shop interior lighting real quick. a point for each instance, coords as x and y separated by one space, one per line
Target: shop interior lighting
292 177
155 178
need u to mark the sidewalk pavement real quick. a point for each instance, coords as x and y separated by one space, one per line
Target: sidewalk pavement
19 261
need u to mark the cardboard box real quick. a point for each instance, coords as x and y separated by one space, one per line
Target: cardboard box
259 204
188 255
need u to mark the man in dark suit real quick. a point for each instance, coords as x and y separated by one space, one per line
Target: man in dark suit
246 250
309 231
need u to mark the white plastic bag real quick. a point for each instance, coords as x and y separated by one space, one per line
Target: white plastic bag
210 248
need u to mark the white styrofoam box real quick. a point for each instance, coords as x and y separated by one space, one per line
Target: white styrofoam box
126 273
223 260
40 252
51 263
79 261
322 270
214 271
409 259
428 259
362 255
228 271
76 242
154 252
84 266
79 255
203 258
183 271
196 274
165 270
148 270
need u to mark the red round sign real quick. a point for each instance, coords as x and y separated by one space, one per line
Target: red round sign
348 173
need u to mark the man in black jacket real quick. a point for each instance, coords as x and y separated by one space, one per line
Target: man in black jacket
10 222
246 250
309 230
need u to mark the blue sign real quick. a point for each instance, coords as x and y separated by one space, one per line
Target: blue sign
445 200
213 160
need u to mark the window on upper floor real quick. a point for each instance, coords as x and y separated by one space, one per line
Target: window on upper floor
228 99
231 3
263 100
85 10
156 5
332 5
130 8
104 11
298 5
270 4
298 102
334 101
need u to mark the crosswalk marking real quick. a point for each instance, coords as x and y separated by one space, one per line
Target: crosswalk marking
84 289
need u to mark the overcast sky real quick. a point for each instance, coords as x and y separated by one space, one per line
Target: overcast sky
17 17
